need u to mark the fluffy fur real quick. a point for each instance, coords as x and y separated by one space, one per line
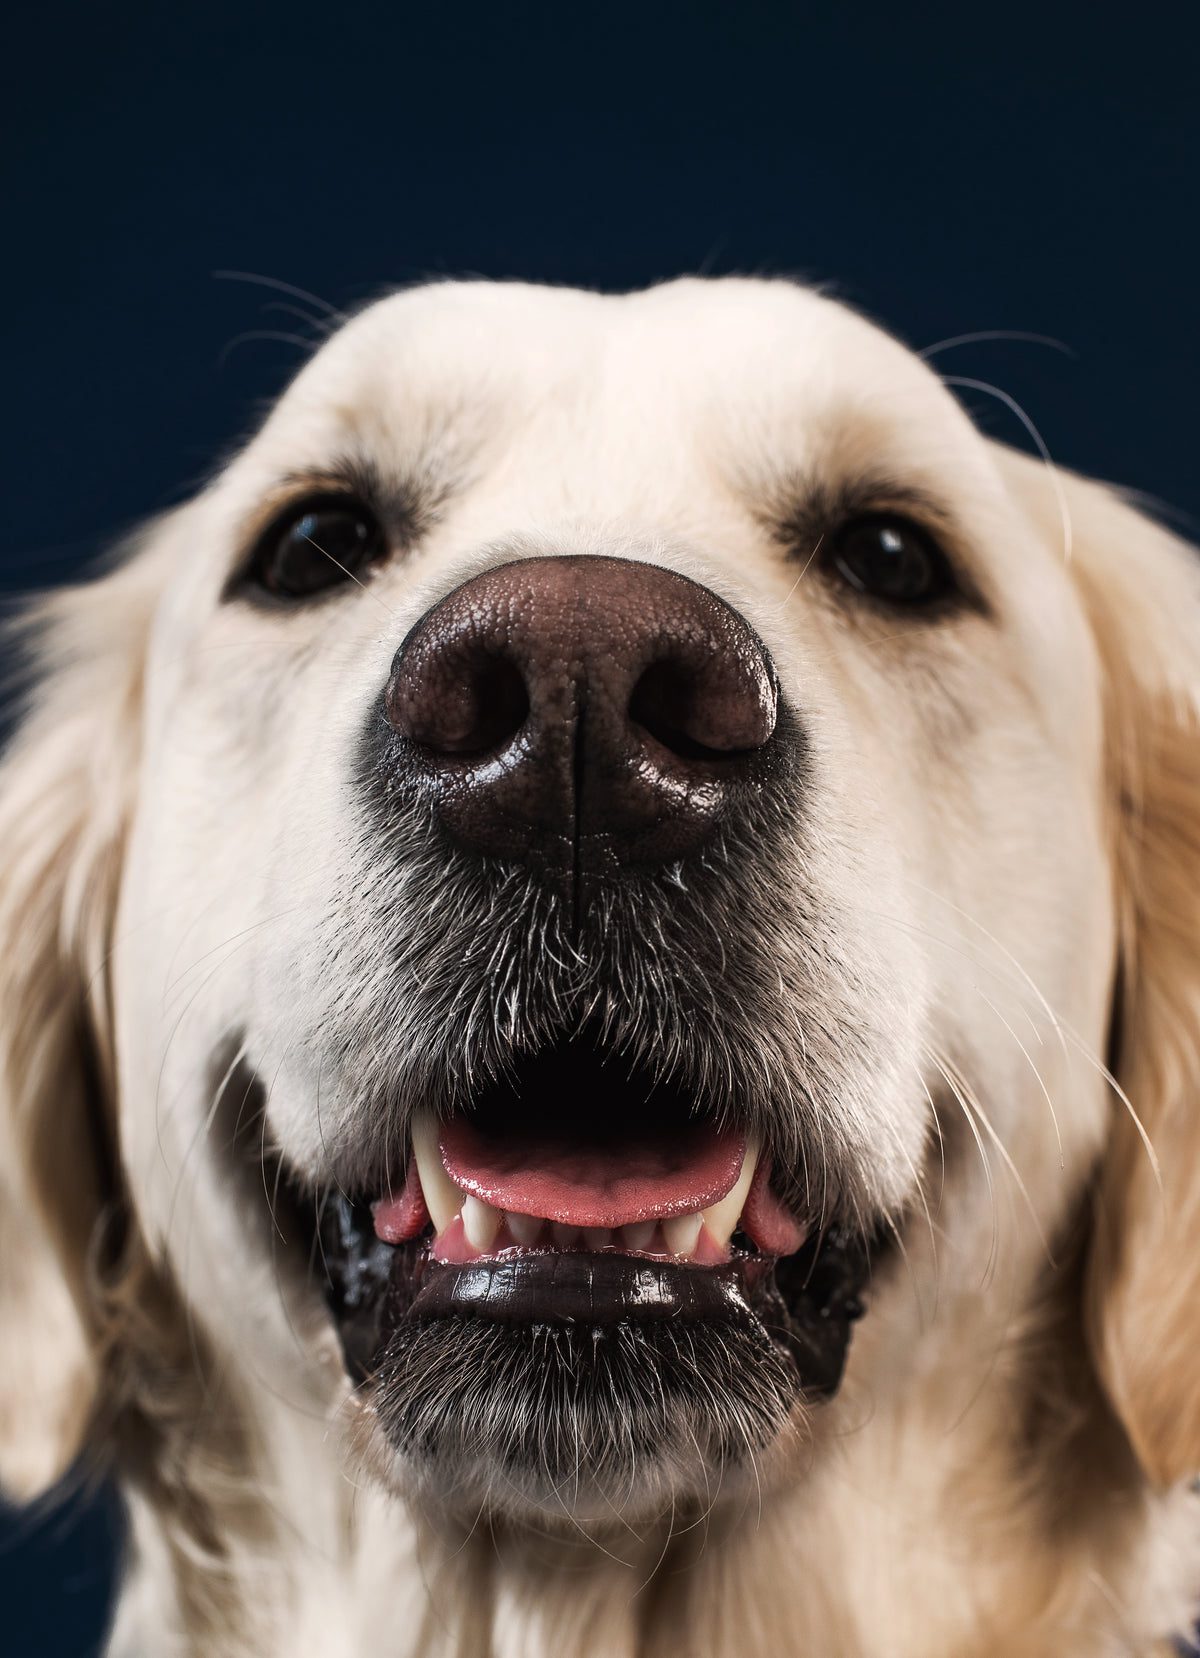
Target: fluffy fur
990 892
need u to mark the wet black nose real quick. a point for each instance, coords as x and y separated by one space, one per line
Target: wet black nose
583 713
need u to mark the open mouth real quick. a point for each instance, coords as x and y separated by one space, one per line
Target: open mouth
575 1154
584 1193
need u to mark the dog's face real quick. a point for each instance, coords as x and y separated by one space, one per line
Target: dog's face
616 853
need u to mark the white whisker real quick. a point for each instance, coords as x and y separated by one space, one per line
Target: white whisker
1064 508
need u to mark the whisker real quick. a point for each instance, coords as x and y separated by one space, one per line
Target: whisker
1007 1158
282 288
1102 1070
278 335
1029 1060
999 945
994 1250
1064 509
202 1130
803 572
1063 1028
385 607
323 325
910 1270
982 335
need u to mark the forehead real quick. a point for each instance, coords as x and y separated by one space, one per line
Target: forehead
756 379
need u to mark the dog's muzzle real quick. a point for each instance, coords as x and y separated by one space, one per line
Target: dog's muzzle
590 1262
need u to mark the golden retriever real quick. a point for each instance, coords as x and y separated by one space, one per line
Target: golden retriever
600 1012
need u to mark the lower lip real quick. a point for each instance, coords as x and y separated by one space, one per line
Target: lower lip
805 1303
581 1288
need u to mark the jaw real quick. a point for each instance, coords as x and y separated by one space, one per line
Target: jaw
647 1342
589 1385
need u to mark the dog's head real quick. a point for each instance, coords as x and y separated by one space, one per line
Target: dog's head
609 826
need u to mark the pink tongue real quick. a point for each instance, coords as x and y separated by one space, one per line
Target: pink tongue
594 1185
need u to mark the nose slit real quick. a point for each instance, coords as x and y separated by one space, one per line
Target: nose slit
635 708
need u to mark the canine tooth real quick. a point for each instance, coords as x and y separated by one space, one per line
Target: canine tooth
721 1218
638 1233
526 1229
597 1237
443 1198
564 1236
682 1232
480 1222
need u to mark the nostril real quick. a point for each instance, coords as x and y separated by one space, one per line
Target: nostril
471 704
665 703
702 716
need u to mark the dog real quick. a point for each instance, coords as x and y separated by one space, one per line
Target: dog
600 1012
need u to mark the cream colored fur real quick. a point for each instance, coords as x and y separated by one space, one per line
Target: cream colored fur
1014 810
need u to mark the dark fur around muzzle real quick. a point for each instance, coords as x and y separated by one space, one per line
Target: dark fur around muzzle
722 974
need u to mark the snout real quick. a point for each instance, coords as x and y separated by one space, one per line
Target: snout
576 1163
583 713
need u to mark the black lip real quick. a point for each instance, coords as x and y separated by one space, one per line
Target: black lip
805 1304
576 1287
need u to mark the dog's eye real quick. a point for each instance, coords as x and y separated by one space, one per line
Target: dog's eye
317 546
891 559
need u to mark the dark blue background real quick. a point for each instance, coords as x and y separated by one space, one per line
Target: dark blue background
953 170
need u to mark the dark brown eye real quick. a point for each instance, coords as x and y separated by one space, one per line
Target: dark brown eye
319 545
891 559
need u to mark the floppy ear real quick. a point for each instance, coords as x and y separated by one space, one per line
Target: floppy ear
1141 587
66 787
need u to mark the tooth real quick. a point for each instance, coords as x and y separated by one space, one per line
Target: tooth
638 1233
480 1223
682 1233
721 1218
597 1237
526 1229
564 1236
443 1198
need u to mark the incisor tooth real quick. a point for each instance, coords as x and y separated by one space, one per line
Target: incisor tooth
597 1237
638 1233
480 1223
681 1233
721 1218
443 1198
564 1236
526 1229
